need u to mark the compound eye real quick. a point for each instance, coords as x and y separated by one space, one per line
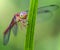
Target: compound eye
21 15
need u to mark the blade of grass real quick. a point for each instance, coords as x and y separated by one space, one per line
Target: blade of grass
31 25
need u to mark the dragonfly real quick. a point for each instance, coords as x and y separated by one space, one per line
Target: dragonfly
22 18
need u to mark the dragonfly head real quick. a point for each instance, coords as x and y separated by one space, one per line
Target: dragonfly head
23 15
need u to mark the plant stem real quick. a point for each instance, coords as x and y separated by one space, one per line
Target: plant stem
31 25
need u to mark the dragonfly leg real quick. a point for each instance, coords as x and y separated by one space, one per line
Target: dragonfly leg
24 23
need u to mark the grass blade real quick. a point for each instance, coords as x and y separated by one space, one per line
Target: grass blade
31 25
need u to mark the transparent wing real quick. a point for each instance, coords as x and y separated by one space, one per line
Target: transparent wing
45 12
15 29
6 37
46 9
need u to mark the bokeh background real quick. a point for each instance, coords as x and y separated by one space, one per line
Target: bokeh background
47 30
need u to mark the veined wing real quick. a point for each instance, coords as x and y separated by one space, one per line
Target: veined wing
46 9
7 32
6 36
15 26
15 29
45 12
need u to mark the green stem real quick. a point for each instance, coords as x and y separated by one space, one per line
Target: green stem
31 25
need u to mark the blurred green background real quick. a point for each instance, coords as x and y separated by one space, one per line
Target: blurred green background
47 32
